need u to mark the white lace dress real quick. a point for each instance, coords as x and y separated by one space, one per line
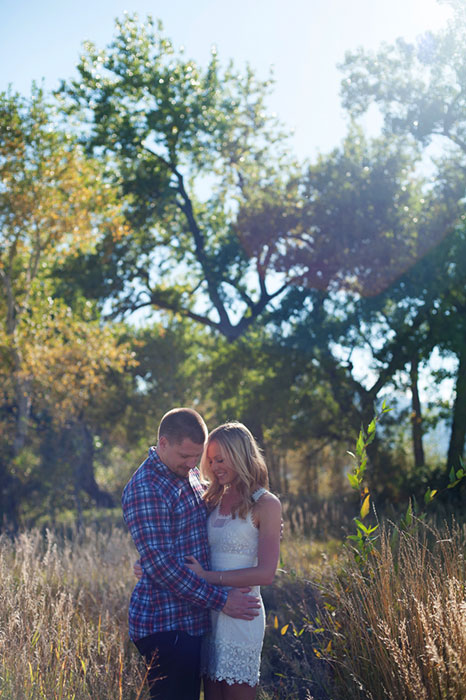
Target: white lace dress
232 651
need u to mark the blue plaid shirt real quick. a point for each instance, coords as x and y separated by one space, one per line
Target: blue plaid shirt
167 519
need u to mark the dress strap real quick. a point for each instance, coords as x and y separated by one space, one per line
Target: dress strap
257 494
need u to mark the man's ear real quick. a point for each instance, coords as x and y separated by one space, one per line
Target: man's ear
162 442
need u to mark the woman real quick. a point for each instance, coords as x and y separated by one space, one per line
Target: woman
244 538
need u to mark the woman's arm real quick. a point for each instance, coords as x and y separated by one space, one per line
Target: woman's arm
268 518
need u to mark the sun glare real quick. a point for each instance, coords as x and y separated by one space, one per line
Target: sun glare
430 15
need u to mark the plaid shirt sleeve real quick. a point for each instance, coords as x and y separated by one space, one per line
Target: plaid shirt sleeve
148 516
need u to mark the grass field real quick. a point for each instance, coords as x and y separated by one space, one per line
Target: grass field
394 627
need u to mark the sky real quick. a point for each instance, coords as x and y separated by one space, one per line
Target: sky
303 40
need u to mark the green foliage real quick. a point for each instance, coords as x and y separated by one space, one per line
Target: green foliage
418 86
54 203
419 89
354 621
181 195
364 539
192 147
416 513
363 542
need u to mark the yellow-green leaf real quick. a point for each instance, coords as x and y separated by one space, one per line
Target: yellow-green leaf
365 506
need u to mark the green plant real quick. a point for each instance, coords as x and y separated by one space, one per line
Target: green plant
364 539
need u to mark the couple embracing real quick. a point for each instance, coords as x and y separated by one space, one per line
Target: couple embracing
207 540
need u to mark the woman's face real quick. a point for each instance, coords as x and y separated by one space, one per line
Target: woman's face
221 467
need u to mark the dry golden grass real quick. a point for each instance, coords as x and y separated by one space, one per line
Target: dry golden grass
393 629
63 607
400 622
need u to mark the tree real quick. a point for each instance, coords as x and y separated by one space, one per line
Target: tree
224 222
191 147
54 202
420 90
374 235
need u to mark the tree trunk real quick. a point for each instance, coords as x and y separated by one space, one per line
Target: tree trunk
416 415
81 456
458 428
273 466
23 410
9 507
310 475
9 483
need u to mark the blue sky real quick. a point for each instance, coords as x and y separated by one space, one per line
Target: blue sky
303 39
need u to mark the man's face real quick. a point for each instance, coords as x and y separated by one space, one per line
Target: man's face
179 457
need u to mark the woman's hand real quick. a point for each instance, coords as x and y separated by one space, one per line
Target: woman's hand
193 564
137 569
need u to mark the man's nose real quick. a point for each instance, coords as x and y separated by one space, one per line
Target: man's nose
191 463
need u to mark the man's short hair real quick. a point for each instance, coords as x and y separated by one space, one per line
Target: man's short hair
181 423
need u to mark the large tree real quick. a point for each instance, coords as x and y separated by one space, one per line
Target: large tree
420 90
192 147
224 222
54 203
418 87
374 239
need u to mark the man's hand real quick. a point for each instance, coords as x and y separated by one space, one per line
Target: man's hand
137 569
193 565
241 605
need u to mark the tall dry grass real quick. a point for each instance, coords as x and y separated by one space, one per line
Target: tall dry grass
401 619
392 629
63 608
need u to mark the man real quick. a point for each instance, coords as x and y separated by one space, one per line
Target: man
165 513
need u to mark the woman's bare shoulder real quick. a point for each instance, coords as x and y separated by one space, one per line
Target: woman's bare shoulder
268 501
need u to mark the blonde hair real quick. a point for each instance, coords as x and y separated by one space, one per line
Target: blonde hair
238 446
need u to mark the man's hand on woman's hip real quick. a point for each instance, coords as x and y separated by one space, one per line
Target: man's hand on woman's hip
241 605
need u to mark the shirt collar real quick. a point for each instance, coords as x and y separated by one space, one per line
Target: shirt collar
156 462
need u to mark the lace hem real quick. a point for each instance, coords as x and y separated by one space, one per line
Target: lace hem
231 681
226 661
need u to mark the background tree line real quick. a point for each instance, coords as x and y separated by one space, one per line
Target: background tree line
160 245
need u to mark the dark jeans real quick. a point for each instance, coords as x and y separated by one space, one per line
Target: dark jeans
173 660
